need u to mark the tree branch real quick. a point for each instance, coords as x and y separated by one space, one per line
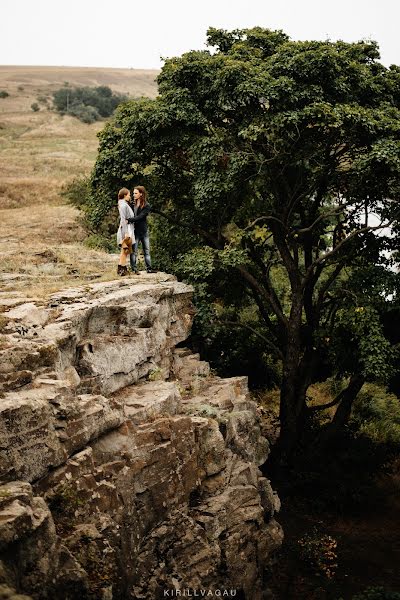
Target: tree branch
344 242
287 259
271 326
346 397
325 287
343 411
258 260
268 342
264 218
253 283
335 401
320 218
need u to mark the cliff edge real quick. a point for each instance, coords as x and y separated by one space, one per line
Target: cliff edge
127 469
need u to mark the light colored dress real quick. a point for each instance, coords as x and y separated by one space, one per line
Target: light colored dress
125 229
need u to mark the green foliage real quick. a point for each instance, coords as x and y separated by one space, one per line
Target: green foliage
155 374
65 505
77 191
86 103
4 94
343 477
198 264
86 114
376 414
35 107
95 241
359 344
257 156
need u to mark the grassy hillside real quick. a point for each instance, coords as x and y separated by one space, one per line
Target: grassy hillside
135 82
40 236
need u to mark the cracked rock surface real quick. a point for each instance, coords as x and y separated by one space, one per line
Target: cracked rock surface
126 468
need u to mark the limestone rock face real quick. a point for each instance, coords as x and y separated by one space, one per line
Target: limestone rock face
127 469
27 527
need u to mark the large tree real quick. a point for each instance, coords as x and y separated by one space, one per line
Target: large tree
276 167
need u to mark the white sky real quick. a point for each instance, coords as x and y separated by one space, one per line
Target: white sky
132 33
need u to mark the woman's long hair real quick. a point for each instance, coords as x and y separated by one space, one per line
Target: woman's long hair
122 193
143 195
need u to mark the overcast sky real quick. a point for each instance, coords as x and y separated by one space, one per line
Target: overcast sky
132 33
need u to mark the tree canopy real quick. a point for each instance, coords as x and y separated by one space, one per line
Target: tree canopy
275 165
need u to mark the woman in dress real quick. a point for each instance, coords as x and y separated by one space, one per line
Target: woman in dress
125 233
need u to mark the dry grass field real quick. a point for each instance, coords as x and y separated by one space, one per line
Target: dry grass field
41 246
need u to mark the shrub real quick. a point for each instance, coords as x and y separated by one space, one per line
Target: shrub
86 103
77 191
86 114
96 241
4 94
35 107
376 414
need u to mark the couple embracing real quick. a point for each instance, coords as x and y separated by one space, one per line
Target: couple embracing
133 229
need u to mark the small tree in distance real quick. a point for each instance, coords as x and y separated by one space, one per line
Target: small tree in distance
88 104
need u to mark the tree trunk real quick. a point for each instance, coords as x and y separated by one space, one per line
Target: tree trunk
293 413
343 411
293 409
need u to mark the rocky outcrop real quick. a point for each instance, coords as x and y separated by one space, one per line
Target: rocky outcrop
128 470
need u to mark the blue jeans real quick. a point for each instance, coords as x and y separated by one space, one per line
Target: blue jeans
146 251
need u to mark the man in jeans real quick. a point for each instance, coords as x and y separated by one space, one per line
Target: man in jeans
141 209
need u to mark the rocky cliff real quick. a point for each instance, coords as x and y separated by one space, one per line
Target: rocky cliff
127 469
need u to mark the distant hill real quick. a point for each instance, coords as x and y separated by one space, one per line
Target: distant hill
135 82
44 147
